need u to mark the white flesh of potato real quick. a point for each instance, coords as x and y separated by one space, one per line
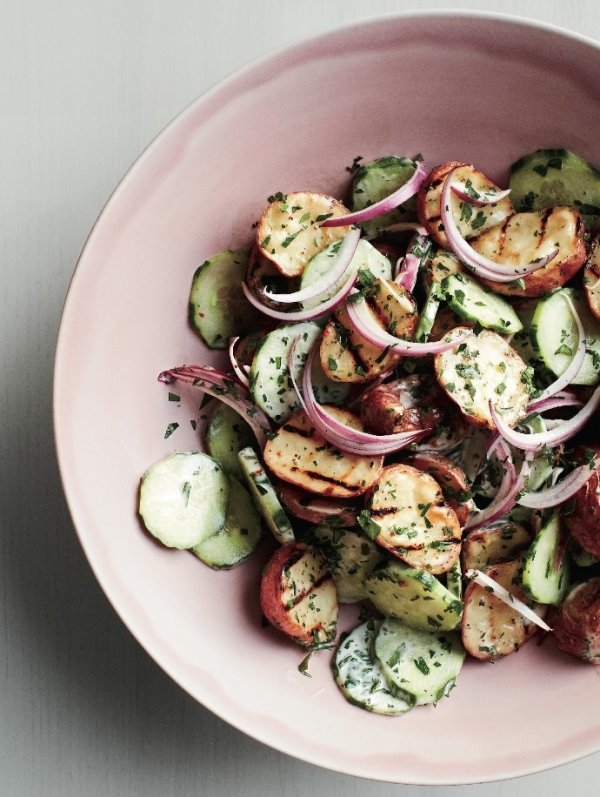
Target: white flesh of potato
484 368
299 455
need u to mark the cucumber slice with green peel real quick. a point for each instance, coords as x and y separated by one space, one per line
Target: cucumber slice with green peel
580 556
183 499
428 313
543 580
366 257
270 382
218 308
239 535
550 177
374 181
360 676
454 581
554 335
265 497
470 300
225 435
422 665
542 466
413 596
350 558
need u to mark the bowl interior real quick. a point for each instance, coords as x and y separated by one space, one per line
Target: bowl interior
481 89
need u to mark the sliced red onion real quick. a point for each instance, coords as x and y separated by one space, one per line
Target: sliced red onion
237 368
479 198
506 597
228 390
562 491
478 263
552 437
352 441
338 269
367 327
408 270
301 315
555 402
384 205
576 363
507 494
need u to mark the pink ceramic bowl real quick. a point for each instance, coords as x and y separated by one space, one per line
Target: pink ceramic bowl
480 88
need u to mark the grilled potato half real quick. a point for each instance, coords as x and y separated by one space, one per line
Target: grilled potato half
471 220
299 455
415 523
298 595
489 546
409 404
289 232
484 369
347 357
525 237
490 628
576 623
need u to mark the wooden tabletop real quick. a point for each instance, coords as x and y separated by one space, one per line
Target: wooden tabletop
83 709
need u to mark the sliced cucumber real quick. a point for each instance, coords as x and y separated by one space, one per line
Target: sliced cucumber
265 496
554 335
472 301
422 665
217 308
428 313
543 580
350 558
270 381
413 596
543 464
360 677
239 535
183 499
550 177
580 556
366 257
376 180
225 436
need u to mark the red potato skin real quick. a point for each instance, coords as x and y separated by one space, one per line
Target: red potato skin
451 479
582 514
591 277
271 591
387 409
299 504
576 622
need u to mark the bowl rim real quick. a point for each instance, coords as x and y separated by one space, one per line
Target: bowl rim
295 45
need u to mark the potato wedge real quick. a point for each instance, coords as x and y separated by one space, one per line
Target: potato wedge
576 622
525 237
441 265
298 595
316 509
490 628
289 232
346 356
299 455
581 514
490 546
452 480
471 220
591 278
484 369
415 523
412 403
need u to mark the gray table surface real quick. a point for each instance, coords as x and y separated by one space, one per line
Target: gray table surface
84 86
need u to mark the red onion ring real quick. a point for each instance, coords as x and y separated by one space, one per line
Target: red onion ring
478 263
576 363
384 205
301 315
368 328
228 390
483 197
561 491
352 441
338 269
554 402
552 437
237 368
408 269
506 597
